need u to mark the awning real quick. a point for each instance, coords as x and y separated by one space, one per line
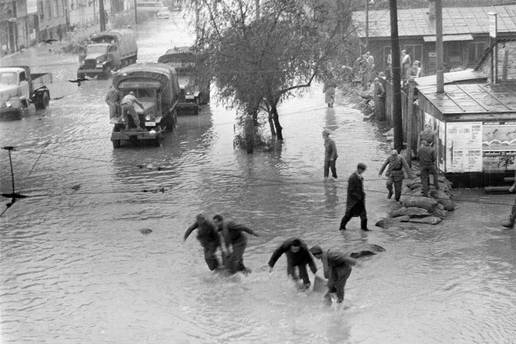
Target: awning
450 38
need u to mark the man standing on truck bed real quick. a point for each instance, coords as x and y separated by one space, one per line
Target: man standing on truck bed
127 105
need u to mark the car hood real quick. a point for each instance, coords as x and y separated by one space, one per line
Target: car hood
6 92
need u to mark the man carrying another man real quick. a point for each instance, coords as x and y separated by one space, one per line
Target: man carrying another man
235 242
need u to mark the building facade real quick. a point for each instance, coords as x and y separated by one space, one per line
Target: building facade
465 34
13 26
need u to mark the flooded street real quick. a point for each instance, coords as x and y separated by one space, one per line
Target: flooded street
75 268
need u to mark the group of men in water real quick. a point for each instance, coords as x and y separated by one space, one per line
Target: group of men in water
231 239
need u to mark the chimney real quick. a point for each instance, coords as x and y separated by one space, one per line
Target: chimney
431 9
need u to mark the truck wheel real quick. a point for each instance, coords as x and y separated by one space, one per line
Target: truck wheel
116 144
43 101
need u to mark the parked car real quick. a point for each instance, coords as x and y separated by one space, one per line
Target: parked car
22 91
163 13
155 86
107 52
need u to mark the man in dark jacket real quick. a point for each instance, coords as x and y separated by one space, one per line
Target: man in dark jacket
427 160
355 203
337 268
397 170
209 239
235 242
297 256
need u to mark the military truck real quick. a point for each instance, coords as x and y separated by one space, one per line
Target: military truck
107 52
155 86
22 91
194 83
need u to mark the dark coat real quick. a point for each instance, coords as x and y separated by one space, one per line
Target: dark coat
355 201
206 234
301 257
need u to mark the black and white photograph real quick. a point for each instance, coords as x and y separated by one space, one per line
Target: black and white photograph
258 171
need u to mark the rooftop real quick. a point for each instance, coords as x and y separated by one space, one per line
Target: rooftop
468 75
472 98
456 21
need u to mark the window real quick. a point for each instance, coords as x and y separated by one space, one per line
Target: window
22 76
476 51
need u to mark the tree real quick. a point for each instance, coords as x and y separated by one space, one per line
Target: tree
259 61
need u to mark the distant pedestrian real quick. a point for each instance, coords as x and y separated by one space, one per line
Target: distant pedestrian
209 239
235 242
427 134
355 202
329 92
330 155
427 165
397 170
415 71
512 217
298 257
406 63
337 268
113 98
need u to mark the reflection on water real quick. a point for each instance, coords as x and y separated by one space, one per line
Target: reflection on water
74 263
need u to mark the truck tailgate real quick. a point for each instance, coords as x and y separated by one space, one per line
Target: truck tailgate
40 79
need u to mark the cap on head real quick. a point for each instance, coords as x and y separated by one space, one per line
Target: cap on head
316 250
394 152
361 166
131 92
296 242
218 217
326 132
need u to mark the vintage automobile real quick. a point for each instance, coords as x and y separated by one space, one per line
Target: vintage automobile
193 81
22 92
107 52
155 86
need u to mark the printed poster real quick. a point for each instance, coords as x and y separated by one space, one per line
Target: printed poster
464 147
499 146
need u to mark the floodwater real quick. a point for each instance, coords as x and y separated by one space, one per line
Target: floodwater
75 267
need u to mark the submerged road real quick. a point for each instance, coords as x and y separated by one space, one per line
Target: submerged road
75 267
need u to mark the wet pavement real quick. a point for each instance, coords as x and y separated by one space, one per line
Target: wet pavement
75 267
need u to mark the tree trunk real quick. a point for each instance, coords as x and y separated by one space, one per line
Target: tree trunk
249 134
271 125
275 118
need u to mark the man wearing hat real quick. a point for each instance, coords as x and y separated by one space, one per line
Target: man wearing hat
298 257
337 268
355 202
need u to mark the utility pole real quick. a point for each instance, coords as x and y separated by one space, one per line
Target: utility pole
367 25
439 45
396 78
135 13
257 9
102 16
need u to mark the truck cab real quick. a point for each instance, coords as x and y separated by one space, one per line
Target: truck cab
107 52
193 81
22 92
156 88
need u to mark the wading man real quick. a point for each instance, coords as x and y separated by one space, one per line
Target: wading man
113 100
337 268
298 257
397 169
235 242
355 202
209 239
330 155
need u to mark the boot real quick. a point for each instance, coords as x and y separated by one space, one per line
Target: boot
363 225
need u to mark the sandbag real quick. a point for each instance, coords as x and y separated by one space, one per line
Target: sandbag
441 213
389 222
366 250
439 195
449 205
410 212
431 220
420 202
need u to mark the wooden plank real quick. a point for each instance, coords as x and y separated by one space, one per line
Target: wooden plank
493 96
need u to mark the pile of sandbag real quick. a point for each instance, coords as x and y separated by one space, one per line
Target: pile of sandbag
417 209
